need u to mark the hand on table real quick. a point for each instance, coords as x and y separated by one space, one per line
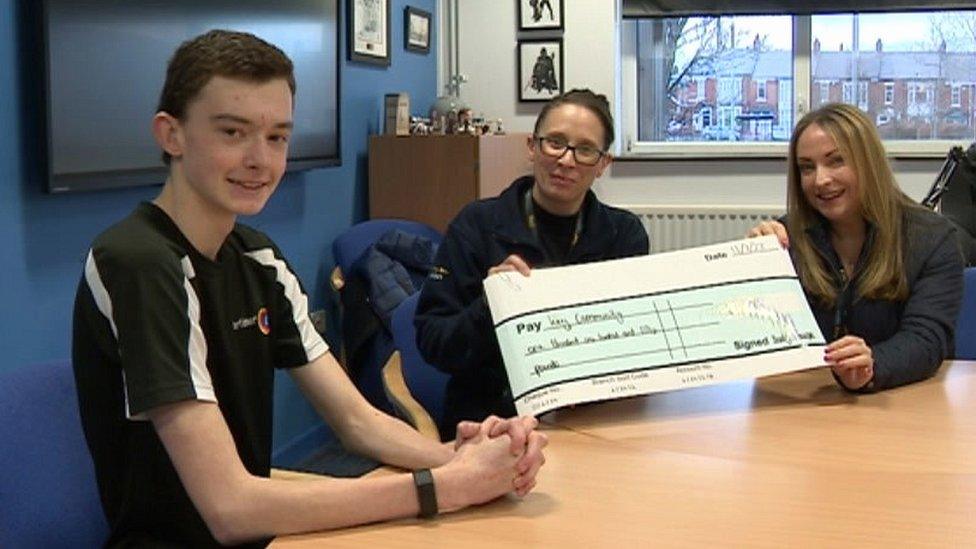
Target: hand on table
525 442
851 360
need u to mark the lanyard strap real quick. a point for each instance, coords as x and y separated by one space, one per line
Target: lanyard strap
529 208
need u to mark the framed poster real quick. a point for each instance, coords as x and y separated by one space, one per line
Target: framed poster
540 69
416 30
540 14
369 31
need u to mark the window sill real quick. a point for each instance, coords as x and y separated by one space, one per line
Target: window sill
689 150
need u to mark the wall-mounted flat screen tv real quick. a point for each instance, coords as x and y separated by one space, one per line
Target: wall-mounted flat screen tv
105 66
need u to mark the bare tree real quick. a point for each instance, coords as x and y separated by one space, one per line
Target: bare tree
947 31
671 50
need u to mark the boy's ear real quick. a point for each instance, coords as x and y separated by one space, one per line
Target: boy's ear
168 133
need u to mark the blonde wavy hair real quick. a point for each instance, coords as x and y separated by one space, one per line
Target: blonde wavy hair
882 205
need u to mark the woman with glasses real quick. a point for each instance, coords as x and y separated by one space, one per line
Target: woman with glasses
882 274
545 219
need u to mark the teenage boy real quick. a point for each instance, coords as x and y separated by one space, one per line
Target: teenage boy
182 315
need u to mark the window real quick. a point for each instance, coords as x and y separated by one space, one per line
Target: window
729 90
917 93
907 71
722 63
784 121
699 88
702 119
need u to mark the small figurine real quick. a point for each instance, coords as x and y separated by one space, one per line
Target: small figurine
451 122
419 125
465 123
499 130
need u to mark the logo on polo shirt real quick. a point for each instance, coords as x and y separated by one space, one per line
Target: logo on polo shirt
262 320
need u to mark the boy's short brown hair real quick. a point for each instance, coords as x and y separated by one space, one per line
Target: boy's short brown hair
231 54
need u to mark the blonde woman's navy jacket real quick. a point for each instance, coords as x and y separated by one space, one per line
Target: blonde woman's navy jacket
455 332
909 339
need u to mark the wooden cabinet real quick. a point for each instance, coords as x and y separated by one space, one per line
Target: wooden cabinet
430 178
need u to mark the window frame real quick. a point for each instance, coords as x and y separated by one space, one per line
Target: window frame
629 147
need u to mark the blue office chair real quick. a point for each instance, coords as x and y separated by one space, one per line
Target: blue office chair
966 324
366 344
48 494
415 388
348 246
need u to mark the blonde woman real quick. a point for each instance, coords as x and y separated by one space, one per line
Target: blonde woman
882 274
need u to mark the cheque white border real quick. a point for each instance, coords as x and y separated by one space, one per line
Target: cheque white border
665 378
512 296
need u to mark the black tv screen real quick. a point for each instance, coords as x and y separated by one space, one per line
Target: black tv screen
105 66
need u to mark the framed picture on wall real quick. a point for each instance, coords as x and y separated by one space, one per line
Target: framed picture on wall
416 30
540 14
369 31
540 69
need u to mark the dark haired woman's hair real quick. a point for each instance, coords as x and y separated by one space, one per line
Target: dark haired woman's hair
596 103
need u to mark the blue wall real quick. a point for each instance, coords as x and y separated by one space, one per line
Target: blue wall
45 237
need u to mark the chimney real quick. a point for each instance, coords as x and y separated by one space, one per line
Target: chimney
878 47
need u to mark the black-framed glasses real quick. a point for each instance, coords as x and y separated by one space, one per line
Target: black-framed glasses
556 147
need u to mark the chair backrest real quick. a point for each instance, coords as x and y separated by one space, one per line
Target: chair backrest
48 493
966 324
366 346
425 383
348 246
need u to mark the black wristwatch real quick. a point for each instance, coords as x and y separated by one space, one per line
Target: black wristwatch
426 495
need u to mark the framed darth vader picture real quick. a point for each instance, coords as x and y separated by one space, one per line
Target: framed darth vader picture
540 69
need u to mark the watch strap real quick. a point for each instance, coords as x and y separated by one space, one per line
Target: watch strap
423 479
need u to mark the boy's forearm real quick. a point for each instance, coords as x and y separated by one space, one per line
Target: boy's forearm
393 442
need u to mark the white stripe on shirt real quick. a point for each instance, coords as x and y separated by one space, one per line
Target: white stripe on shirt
311 340
196 348
104 303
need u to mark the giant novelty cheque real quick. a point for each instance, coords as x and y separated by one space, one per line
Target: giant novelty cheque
640 325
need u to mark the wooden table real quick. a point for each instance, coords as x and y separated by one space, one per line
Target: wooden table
784 461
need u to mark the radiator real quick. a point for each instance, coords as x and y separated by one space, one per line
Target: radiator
677 226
